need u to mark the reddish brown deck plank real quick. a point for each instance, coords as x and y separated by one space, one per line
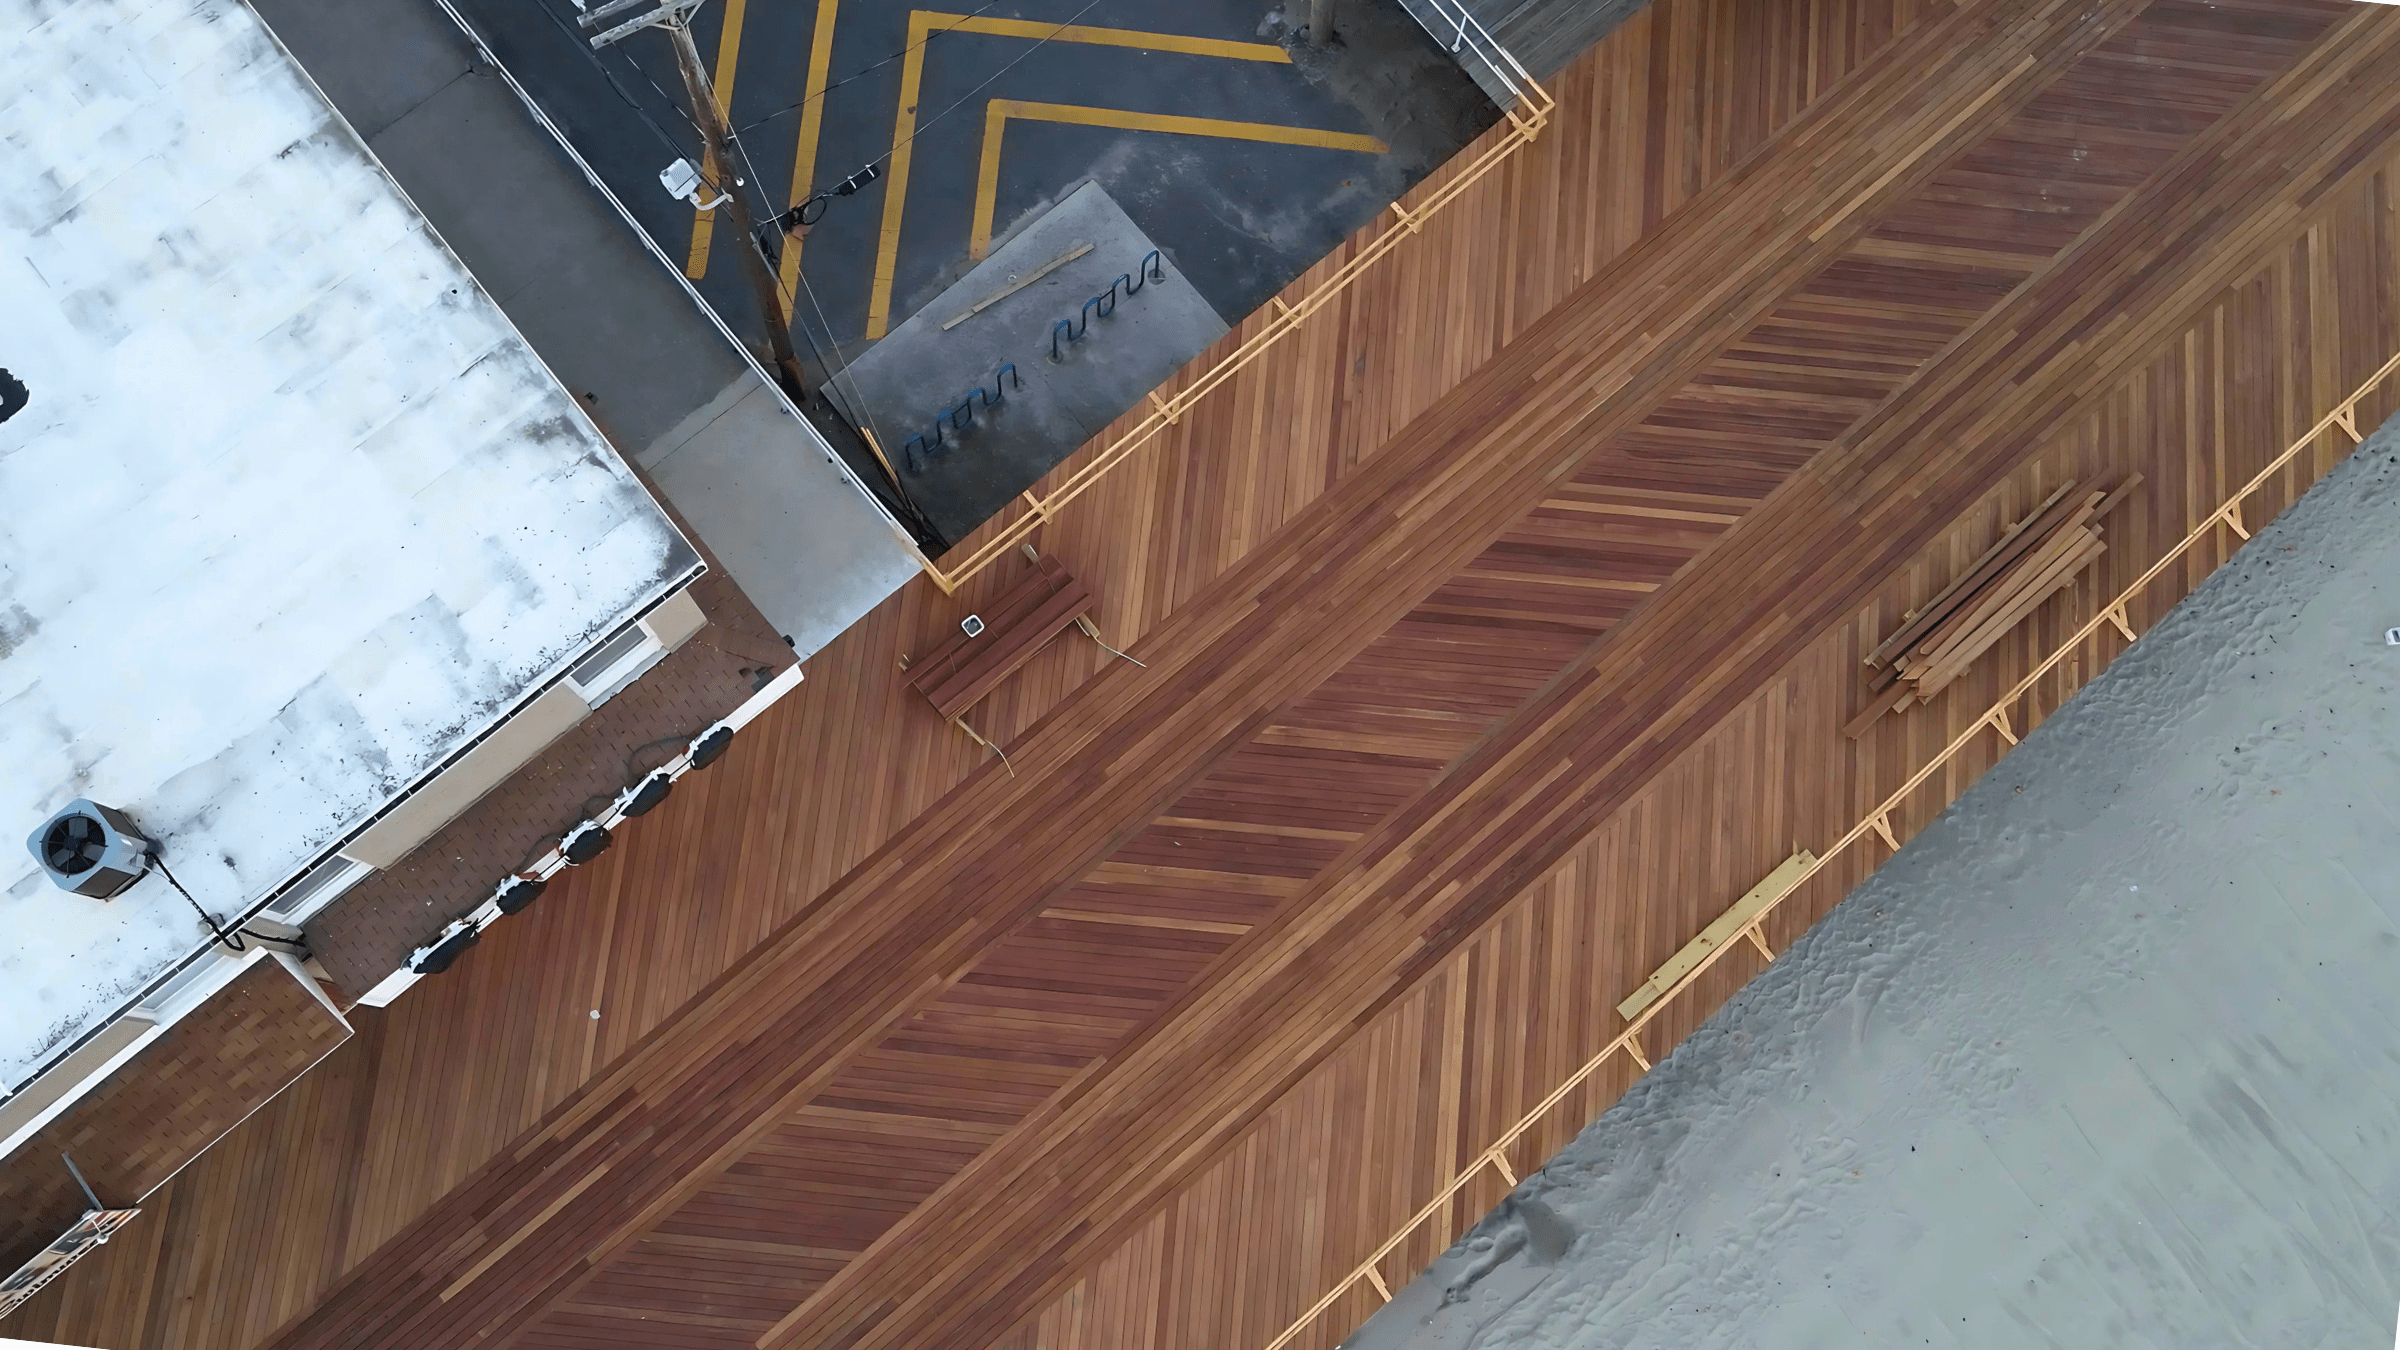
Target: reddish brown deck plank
1391 700
1283 617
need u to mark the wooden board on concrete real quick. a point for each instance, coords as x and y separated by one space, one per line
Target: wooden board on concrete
1725 928
1253 780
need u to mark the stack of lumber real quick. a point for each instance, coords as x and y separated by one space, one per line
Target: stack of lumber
2038 557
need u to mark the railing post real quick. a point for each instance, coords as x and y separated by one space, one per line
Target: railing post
1882 823
1760 942
1507 1172
1525 121
1879 823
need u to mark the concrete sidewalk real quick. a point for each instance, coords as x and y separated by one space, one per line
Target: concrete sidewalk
611 320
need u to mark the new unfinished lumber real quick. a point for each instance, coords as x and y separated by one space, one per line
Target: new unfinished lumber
1923 619
1726 928
2033 560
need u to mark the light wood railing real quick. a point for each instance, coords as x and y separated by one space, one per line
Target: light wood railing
1876 824
1525 120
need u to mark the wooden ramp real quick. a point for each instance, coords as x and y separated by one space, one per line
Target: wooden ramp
1013 1052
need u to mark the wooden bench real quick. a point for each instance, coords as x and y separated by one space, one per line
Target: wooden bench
956 675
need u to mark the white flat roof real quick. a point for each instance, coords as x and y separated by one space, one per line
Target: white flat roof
292 511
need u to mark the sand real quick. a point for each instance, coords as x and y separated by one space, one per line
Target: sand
2109 1055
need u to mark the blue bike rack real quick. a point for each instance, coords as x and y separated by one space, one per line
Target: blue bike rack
1152 268
959 418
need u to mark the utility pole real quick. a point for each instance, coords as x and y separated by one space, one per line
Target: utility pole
675 17
1320 23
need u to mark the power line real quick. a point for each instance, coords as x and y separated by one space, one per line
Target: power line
655 87
869 172
961 101
575 40
865 410
717 144
750 170
834 374
862 72
919 130
922 127
663 96
230 941
734 134
856 395
748 175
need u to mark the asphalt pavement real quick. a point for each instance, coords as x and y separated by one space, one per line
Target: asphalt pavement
1244 152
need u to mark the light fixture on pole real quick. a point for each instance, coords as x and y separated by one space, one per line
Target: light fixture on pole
674 18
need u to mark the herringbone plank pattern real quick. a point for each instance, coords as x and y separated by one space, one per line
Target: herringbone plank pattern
439 1086
1339 1160
1117 947
924 1132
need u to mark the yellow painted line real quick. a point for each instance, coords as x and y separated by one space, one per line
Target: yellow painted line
895 194
995 123
812 122
987 177
1111 37
729 52
923 24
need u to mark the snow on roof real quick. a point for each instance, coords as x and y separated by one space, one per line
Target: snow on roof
290 511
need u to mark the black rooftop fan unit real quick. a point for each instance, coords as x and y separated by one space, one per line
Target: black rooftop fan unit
435 959
585 842
91 849
644 797
518 892
710 744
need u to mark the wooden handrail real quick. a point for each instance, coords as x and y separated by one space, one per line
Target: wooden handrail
1525 122
1876 822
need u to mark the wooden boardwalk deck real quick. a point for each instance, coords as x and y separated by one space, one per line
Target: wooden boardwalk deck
1497 636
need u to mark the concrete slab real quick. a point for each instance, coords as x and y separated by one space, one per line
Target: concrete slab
774 511
2104 1056
375 62
595 303
906 384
